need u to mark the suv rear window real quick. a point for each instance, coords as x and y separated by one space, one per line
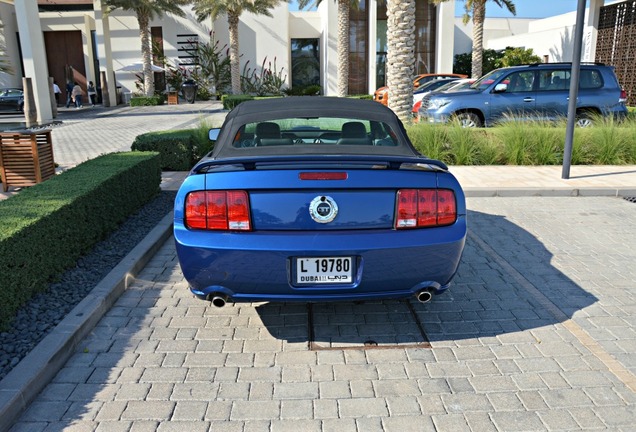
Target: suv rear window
559 79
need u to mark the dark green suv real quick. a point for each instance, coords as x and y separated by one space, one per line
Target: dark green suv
530 92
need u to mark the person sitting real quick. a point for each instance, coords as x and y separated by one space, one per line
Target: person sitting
557 83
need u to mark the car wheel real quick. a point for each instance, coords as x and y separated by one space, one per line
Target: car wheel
584 119
468 120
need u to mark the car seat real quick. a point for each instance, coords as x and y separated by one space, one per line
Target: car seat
268 134
354 133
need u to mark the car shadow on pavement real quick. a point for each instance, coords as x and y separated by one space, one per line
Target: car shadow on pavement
506 283
159 345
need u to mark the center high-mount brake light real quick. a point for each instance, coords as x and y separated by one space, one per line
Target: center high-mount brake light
218 210
418 208
323 175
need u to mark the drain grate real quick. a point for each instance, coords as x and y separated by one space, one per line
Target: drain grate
365 326
630 199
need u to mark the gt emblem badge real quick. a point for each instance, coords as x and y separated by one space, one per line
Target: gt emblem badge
323 209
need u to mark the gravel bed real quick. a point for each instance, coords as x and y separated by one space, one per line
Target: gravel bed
42 313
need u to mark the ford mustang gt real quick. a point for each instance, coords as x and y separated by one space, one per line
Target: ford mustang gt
317 199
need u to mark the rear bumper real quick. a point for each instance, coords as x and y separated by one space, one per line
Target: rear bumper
257 266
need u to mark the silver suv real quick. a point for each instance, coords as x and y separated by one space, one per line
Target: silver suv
529 92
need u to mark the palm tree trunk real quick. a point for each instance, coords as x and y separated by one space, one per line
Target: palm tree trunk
479 15
343 47
146 53
401 56
233 23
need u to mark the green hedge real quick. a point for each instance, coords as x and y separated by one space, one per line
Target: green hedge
45 228
146 101
179 149
231 101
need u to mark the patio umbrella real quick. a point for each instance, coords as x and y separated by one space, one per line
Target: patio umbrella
139 67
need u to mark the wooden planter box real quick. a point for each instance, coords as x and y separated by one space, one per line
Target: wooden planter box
173 98
25 158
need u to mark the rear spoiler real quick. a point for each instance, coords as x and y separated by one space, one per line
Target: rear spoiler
385 162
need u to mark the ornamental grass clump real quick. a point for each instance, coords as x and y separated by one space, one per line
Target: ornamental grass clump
610 144
465 147
517 145
430 140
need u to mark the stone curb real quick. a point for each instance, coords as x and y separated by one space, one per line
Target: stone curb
515 192
22 385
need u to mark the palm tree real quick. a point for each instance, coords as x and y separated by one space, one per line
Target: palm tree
344 6
400 56
233 9
147 10
5 66
478 10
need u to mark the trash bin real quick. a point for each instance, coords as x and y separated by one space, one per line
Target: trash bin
173 97
189 89
26 158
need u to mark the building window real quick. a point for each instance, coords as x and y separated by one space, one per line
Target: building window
425 31
359 49
424 40
157 55
305 62
381 46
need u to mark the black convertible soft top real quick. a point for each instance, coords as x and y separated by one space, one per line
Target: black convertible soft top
308 106
300 105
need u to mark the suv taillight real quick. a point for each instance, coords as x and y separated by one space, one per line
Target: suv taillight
418 208
623 96
218 210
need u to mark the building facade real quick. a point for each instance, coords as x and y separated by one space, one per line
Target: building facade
77 40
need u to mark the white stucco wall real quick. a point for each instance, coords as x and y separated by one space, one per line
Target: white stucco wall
7 15
494 28
445 37
328 11
549 36
126 43
261 38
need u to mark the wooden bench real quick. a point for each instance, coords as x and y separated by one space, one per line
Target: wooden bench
26 158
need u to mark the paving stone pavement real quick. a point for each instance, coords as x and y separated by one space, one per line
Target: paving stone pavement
82 136
537 333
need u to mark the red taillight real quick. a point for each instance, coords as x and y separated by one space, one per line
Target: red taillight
623 96
417 106
217 210
323 175
418 208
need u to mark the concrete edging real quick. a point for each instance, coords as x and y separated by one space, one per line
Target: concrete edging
23 384
516 192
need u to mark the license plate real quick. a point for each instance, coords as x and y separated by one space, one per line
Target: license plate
324 270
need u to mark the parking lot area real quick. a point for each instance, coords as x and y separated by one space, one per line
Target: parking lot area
538 332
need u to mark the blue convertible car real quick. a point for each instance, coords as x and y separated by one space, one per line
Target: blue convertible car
317 199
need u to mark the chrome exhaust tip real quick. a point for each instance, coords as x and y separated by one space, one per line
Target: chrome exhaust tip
218 300
424 296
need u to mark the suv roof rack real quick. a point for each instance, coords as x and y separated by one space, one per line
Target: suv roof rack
565 63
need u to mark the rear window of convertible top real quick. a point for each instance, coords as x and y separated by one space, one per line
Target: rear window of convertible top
314 131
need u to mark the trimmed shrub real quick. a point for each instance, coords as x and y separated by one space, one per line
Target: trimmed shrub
47 227
179 149
231 101
146 101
